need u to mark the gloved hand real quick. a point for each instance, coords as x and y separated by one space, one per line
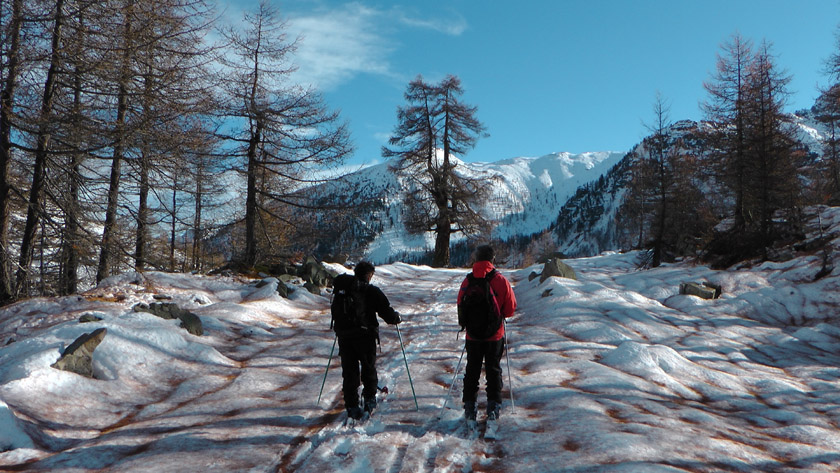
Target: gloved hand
397 319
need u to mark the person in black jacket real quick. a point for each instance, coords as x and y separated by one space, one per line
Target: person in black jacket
357 346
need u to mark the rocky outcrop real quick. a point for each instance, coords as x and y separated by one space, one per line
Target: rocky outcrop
701 290
555 267
78 357
170 310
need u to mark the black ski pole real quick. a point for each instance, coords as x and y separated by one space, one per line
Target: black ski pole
507 355
327 370
417 406
455 376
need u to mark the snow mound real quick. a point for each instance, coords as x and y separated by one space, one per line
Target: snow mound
12 435
665 366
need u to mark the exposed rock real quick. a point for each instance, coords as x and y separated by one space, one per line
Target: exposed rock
703 291
313 288
555 267
340 258
316 273
533 276
169 311
546 293
546 258
283 289
191 323
90 317
78 357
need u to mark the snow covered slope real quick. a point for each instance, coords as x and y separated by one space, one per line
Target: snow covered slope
613 372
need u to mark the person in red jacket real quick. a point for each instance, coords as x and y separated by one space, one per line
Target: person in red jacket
487 350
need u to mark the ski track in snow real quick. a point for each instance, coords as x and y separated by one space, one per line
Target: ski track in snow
613 372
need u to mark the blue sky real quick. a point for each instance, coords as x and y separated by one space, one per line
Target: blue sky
546 76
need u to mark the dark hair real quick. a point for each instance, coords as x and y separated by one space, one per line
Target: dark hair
363 268
485 253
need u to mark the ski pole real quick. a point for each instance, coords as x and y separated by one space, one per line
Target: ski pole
507 356
402 347
327 370
457 369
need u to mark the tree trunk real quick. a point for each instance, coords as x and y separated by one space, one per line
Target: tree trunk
107 251
145 167
142 213
197 231
173 227
68 283
251 198
442 237
6 100
33 213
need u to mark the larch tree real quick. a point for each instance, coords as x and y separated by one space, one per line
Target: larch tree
753 147
433 128
123 56
12 20
827 175
172 80
726 111
663 198
277 129
773 182
43 135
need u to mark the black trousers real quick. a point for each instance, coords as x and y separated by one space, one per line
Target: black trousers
358 366
490 353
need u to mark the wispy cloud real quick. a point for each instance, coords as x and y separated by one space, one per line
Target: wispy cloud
342 42
338 44
454 24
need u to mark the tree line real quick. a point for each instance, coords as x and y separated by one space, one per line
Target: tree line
122 124
744 166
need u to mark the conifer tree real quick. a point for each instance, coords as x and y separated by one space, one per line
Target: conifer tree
282 129
753 146
434 127
827 174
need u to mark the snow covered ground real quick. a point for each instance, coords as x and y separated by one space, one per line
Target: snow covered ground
614 372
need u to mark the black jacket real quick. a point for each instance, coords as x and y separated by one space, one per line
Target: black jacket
376 303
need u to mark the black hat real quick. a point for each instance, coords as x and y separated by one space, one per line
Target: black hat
485 253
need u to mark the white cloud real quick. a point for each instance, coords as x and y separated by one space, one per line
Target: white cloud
337 45
341 42
453 25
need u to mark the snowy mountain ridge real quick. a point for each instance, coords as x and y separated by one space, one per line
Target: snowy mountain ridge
526 195
576 196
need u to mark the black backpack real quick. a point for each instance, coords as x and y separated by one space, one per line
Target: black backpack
479 312
348 304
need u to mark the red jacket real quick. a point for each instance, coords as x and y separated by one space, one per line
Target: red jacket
501 287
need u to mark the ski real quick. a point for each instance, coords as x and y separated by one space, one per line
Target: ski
472 428
366 415
491 432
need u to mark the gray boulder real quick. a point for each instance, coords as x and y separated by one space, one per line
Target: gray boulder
703 291
169 311
283 289
90 317
555 267
312 288
315 273
78 357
